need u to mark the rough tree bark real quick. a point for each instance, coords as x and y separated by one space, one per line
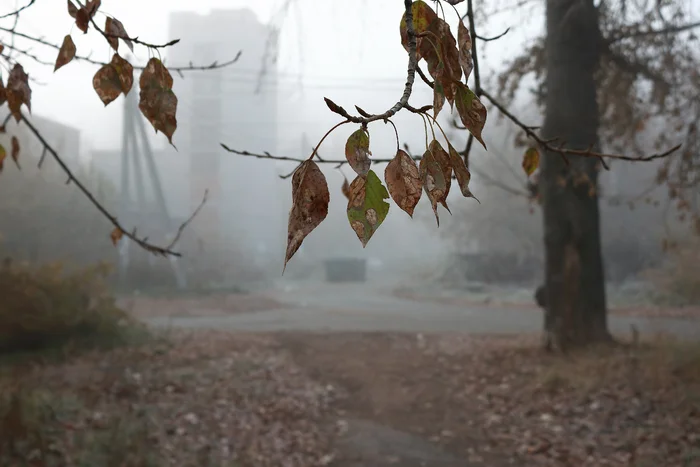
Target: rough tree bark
574 277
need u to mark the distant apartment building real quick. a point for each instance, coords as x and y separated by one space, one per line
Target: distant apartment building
236 106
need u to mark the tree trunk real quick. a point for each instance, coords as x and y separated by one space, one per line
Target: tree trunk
575 285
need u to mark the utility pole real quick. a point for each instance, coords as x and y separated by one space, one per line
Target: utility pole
135 149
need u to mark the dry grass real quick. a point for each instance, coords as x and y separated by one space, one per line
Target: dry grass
208 399
501 401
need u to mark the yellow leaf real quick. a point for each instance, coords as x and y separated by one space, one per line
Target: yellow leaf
531 161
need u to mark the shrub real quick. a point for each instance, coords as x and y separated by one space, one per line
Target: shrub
49 307
677 280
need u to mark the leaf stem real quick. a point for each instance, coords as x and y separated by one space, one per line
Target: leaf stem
325 136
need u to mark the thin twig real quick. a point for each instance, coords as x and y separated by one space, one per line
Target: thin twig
548 144
142 242
494 38
410 77
18 11
135 40
191 67
652 32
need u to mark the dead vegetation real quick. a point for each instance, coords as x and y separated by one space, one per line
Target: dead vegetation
52 307
501 401
213 400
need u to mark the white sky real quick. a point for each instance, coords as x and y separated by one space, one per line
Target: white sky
331 42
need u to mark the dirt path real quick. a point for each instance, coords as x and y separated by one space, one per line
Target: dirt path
466 401
363 308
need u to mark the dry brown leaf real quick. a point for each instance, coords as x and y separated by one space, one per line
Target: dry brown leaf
114 27
18 91
65 53
72 9
3 93
345 188
403 181
471 111
461 172
113 79
3 155
157 100
433 179
443 159
464 42
116 235
310 198
15 150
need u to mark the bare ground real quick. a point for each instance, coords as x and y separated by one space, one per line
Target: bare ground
362 399
497 401
213 305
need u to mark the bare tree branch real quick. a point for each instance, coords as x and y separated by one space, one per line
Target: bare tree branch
410 77
548 144
142 242
178 69
651 32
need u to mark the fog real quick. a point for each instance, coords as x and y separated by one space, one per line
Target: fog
271 100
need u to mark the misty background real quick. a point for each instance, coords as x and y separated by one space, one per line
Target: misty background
271 99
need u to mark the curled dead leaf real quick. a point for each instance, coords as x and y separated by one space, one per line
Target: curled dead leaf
65 53
15 151
403 181
345 188
464 42
310 198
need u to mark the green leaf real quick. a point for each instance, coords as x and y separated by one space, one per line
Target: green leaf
357 151
366 206
531 160
471 111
